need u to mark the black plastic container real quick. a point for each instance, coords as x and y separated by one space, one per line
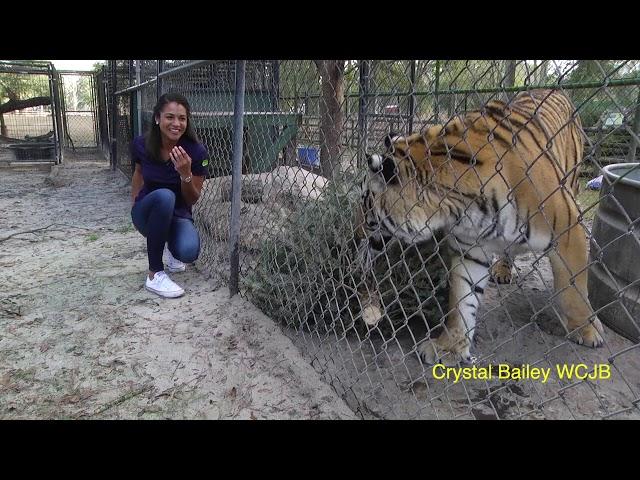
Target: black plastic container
26 152
614 280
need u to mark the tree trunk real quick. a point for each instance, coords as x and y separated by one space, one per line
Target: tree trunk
331 117
3 127
510 78
12 105
540 75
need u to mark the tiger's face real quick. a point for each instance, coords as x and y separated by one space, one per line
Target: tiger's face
394 172
388 170
442 155
398 187
416 184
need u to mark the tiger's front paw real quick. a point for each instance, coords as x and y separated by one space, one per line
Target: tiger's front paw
501 272
590 335
448 350
371 315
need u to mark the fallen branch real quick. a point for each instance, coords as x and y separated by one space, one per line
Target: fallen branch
122 399
12 105
40 229
10 308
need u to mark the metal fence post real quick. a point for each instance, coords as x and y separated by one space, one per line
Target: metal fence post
234 226
133 122
412 98
114 115
55 107
631 155
138 98
363 101
93 80
159 82
274 95
436 99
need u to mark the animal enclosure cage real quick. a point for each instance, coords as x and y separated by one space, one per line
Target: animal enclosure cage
47 111
300 250
29 114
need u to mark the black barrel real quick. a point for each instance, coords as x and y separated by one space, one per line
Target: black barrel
614 276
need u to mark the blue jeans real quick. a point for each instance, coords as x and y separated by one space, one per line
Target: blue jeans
153 218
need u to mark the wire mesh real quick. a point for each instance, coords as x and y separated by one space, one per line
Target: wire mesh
28 123
365 291
123 120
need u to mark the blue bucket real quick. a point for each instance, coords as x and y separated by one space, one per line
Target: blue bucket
309 156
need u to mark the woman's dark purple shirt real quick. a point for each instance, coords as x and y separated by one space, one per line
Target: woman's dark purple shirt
164 175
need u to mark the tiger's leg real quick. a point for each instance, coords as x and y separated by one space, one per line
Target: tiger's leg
469 276
372 310
570 281
368 294
501 270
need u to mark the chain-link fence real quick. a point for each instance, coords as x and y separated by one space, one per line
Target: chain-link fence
472 244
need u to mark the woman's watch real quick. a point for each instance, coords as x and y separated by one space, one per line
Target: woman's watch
186 179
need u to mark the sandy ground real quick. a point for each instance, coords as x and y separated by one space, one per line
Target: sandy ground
81 338
381 375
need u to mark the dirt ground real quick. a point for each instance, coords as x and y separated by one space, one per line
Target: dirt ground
80 338
516 327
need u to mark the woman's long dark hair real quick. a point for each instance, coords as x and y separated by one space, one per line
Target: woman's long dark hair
153 138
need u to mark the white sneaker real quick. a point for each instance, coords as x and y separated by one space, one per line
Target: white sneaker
163 286
173 264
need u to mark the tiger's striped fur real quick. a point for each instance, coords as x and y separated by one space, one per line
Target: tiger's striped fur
499 180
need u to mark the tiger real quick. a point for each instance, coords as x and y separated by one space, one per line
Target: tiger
497 181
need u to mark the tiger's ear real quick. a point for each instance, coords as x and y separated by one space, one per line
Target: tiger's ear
388 140
374 162
383 165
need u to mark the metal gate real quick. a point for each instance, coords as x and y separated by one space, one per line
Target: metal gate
80 112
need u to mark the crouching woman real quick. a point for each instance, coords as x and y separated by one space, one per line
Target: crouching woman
168 177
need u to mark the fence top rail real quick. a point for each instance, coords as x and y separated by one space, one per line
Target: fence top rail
76 72
621 82
166 73
43 63
624 82
23 70
230 113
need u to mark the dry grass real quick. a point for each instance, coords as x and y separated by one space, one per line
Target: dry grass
588 200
